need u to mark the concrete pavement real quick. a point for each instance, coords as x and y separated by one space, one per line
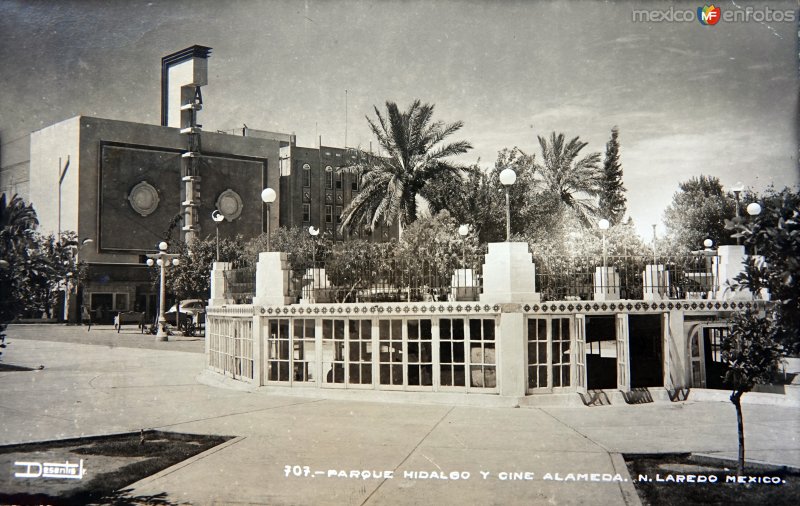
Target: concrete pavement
107 386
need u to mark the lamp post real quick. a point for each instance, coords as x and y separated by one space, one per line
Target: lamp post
603 225
313 232
217 217
463 231
68 284
507 178
754 209
737 190
268 196
161 259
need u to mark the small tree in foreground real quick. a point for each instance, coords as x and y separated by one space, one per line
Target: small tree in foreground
753 357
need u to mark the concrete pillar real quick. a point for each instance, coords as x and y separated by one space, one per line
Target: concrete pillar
259 331
655 282
606 284
272 279
509 274
729 263
218 284
511 366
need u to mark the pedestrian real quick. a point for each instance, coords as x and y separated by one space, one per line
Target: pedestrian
86 318
118 322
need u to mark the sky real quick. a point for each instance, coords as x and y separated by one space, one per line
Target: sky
688 99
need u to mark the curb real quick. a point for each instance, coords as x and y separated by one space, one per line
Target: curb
759 465
629 494
180 465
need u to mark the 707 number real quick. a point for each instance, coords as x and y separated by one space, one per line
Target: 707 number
296 470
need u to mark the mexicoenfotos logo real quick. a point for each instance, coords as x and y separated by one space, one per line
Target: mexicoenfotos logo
708 15
711 15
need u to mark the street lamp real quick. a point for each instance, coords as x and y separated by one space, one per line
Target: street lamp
463 231
68 284
314 232
217 217
268 196
161 259
737 189
603 225
507 178
754 209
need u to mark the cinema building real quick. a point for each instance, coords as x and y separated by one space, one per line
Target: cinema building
128 186
620 337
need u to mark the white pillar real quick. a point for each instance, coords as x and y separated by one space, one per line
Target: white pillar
655 282
272 279
729 263
218 284
509 274
606 284
511 366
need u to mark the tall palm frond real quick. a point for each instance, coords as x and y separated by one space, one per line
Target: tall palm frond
576 183
414 156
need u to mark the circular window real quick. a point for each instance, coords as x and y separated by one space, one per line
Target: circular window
230 204
143 198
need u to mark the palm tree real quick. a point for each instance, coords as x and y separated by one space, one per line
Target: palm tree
575 182
414 157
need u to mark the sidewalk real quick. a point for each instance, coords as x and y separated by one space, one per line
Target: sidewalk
88 389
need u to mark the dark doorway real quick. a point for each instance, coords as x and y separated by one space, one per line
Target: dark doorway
715 367
646 351
102 306
601 352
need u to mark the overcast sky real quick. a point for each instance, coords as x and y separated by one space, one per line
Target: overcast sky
688 99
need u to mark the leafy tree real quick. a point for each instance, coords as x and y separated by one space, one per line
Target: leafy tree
357 264
575 182
611 205
191 278
431 249
775 236
753 357
414 156
698 211
302 248
24 270
757 341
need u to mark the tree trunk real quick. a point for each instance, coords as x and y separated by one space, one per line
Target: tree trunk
736 399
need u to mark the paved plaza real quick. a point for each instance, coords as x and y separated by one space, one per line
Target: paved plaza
293 450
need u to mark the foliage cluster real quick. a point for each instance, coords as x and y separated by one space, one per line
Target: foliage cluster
32 266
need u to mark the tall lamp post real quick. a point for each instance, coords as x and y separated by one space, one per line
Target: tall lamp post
603 225
737 190
463 231
507 178
754 209
161 259
68 287
217 217
313 232
268 196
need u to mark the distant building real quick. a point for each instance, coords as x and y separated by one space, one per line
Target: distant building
129 186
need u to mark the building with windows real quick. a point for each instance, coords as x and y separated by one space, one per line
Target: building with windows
128 186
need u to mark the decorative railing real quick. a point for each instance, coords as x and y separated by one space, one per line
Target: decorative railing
387 281
240 285
558 278
629 277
